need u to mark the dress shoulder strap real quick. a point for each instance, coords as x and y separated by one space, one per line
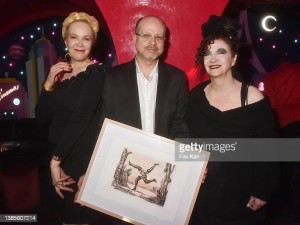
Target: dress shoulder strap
244 94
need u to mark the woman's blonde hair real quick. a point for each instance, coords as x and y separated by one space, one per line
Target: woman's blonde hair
80 16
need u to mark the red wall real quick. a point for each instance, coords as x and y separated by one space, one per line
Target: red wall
183 18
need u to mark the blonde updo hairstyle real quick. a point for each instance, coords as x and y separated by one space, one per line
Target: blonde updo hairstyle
80 16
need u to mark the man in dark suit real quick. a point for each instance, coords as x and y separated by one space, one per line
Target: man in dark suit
146 92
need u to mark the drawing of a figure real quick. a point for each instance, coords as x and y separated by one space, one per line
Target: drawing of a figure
143 174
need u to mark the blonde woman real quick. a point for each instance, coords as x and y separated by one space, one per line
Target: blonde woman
70 98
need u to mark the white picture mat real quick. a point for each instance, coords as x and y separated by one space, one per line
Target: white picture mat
98 193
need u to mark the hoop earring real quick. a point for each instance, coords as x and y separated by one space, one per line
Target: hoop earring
68 58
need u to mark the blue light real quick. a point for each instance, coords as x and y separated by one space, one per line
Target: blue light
296 41
4 57
31 36
16 101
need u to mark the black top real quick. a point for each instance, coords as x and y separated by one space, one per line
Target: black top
70 108
229 185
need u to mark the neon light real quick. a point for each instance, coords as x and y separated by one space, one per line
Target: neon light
261 86
8 92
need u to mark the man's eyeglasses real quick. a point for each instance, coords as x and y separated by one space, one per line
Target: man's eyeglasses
148 37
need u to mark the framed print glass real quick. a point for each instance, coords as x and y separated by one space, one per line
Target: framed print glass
133 176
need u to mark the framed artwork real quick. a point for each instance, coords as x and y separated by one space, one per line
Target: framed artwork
133 176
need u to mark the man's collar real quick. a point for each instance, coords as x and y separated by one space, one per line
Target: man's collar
138 70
